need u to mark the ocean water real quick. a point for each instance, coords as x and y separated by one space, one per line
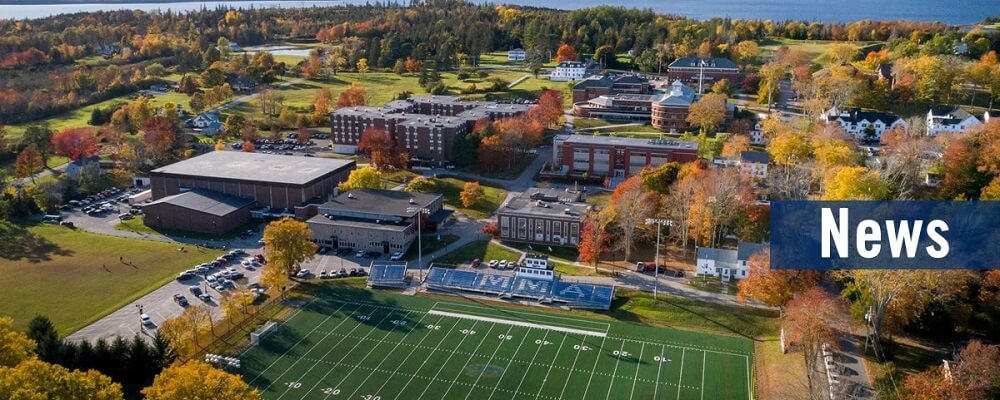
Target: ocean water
949 11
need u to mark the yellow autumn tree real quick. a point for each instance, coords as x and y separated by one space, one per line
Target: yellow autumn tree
287 245
15 346
856 183
472 194
789 147
184 330
362 178
197 380
35 379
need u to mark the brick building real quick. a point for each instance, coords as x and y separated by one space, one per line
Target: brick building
545 216
596 86
666 111
425 126
701 73
615 157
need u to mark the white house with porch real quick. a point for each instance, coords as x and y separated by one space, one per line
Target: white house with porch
727 263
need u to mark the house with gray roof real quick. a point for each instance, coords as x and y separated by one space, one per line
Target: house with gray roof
727 263
947 119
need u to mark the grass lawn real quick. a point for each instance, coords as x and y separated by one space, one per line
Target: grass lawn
683 313
815 48
483 250
452 187
75 277
430 244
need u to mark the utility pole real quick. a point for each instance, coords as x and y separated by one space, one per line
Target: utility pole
659 222
420 243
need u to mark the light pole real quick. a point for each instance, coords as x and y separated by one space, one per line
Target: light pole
659 222
420 243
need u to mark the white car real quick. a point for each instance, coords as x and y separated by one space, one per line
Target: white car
396 256
493 263
360 253
144 318
304 272
502 264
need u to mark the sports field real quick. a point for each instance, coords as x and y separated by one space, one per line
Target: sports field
379 346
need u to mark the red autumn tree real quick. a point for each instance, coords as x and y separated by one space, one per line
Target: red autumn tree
566 53
413 65
382 149
594 238
248 147
492 229
28 162
773 287
75 143
550 107
352 96
159 134
812 319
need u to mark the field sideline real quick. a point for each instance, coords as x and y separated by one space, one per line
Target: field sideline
350 344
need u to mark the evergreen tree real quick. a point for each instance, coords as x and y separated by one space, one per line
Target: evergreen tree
41 330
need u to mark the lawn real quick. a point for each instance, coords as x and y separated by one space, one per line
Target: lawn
430 245
683 313
815 48
483 250
137 225
450 188
75 277
352 343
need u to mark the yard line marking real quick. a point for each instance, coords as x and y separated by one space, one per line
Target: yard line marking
348 352
294 345
518 323
380 362
447 360
680 375
594 368
605 325
314 364
547 372
637 366
401 391
544 336
445 394
483 371
615 373
572 367
509 363
407 358
703 355
659 368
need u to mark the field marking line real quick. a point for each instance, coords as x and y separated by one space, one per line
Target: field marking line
509 363
436 347
637 366
466 365
517 323
307 352
447 360
594 368
292 347
580 320
351 372
347 353
749 387
572 367
659 369
547 372
679 346
492 356
704 355
680 376
407 358
530 363
615 373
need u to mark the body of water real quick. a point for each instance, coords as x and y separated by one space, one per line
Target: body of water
949 11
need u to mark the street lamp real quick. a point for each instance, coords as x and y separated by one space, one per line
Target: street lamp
659 222
141 326
420 244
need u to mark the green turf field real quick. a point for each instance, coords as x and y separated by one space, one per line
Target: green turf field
377 346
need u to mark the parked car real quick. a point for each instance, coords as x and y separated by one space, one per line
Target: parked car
475 263
181 300
360 253
146 320
396 256
184 276
195 290
502 264
304 272
493 263
322 274
343 273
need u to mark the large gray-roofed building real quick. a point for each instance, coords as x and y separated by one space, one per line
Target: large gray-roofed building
550 218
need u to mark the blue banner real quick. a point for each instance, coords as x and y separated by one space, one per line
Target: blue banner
895 234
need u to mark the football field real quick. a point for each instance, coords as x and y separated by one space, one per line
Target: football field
378 346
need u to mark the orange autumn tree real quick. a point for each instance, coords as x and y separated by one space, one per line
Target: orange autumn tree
594 237
352 96
566 53
75 143
773 287
472 194
382 149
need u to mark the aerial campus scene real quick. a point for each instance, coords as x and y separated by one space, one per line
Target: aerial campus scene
461 199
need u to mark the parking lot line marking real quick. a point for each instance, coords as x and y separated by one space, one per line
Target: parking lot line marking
369 354
294 345
446 361
311 349
636 377
615 373
517 323
407 358
680 375
509 363
549 371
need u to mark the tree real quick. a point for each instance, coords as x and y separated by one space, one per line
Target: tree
363 67
156 70
413 65
44 334
248 147
75 143
15 347
39 136
29 161
472 194
422 184
382 149
735 145
841 53
723 87
746 52
566 53
856 183
237 303
661 178
773 287
362 178
183 331
234 125
321 105
770 83
197 380
812 319
594 237
35 379
287 244
352 96
271 102
631 206
159 136
789 148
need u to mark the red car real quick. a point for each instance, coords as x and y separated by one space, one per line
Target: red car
475 263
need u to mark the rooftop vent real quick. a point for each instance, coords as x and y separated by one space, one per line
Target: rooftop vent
568 211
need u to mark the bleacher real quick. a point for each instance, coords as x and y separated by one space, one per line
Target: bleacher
578 295
382 274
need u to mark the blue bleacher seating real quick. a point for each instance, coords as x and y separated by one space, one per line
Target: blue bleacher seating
387 275
581 295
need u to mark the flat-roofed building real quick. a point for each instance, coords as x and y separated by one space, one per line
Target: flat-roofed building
616 157
383 221
543 216
702 73
198 211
